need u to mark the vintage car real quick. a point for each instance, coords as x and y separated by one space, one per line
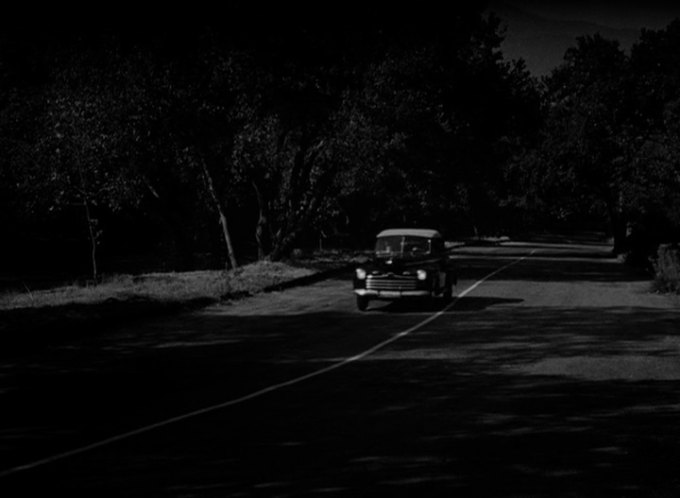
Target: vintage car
407 262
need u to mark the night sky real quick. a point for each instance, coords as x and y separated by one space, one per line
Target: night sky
541 32
632 14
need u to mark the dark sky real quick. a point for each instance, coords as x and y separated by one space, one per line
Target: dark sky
539 32
652 14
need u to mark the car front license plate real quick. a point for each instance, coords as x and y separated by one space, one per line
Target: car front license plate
390 293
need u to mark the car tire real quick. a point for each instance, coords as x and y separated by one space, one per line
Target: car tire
362 303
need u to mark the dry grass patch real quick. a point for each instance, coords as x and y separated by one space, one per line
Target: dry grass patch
164 287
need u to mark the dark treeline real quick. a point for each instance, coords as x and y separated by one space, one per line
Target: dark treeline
213 140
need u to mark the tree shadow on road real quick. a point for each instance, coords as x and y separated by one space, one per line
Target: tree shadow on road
507 401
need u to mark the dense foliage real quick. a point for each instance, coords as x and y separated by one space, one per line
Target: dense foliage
608 145
211 142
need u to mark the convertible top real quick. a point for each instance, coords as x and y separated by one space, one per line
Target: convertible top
414 232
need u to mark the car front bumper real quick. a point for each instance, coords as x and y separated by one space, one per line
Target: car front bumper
392 294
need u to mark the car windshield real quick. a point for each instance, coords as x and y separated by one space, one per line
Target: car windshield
401 245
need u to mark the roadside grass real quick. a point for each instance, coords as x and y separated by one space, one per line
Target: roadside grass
38 318
207 285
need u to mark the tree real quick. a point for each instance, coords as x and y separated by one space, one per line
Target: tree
299 173
188 112
656 168
82 161
298 130
453 113
587 135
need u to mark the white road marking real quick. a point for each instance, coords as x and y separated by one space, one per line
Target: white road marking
261 392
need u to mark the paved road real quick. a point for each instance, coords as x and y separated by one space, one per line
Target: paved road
558 376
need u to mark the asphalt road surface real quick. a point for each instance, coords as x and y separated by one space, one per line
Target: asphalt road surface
558 375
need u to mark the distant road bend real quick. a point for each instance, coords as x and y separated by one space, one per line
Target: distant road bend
555 372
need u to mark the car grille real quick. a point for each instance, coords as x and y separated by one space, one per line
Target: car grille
393 283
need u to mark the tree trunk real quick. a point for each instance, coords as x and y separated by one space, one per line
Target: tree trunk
92 234
231 258
283 242
91 229
227 237
283 246
620 236
618 228
617 222
262 229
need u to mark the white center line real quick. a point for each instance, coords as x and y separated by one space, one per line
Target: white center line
261 392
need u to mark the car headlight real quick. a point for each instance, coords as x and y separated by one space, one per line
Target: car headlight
361 273
422 274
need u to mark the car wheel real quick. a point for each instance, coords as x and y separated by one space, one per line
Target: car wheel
362 303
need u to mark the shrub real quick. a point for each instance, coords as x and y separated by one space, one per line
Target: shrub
667 268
